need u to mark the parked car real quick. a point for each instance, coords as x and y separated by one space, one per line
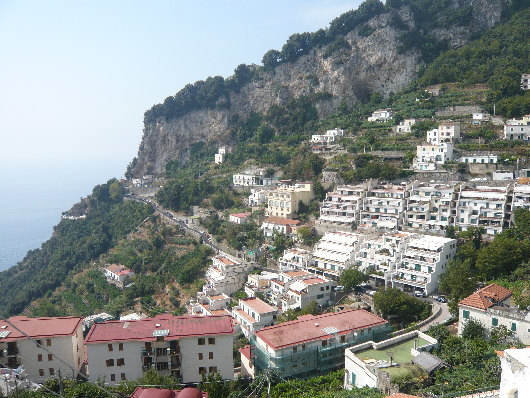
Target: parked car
338 288
419 294
441 299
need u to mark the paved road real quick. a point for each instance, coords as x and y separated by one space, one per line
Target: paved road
444 314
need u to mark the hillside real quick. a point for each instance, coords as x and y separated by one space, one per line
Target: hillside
377 49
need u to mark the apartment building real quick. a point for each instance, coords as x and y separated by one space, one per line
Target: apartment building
521 196
250 178
277 225
259 283
283 201
429 156
257 197
342 207
207 304
305 291
314 344
429 206
254 314
483 206
446 132
381 115
492 306
381 255
336 252
225 275
425 258
516 132
384 205
42 345
186 347
281 285
295 258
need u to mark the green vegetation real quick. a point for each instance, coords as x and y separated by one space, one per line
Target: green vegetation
399 307
350 278
236 236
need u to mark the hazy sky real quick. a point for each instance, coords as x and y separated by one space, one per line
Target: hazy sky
77 76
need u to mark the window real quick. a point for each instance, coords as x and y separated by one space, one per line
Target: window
211 340
109 346
342 339
50 357
494 321
465 314
303 346
200 356
202 370
324 343
123 376
41 372
212 369
320 296
48 342
39 342
112 377
51 371
110 362
120 347
39 357
295 348
514 326
120 362
202 341
210 355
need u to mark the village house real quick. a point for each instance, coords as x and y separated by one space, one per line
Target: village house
254 314
493 306
43 346
479 158
295 258
239 218
314 344
305 291
279 286
525 81
429 156
182 346
250 178
283 201
446 132
405 126
206 304
381 115
329 138
257 197
521 196
516 132
118 274
276 225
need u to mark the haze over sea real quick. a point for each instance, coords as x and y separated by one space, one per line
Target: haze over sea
34 195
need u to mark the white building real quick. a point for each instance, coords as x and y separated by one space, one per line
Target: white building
210 304
52 342
283 201
281 285
381 115
480 158
525 81
118 274
492 306
515 372
239 218
254 314
423 261
183 346
503 175
446 132
480 117
225 275
277 225
428 156
384 205
429 206
259 283
342 207
329 138
516 132
521 196
295 258
303 292
257 197
251 178
405 126
483 206
336 252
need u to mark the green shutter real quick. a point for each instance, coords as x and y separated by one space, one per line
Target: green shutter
353 379
465 314
494 321
514 327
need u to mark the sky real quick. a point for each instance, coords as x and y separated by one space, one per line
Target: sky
77 76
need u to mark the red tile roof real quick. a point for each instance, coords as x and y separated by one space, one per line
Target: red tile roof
224 260
178 326
486 297
310 327
245 351
281 221
188 392
240 215
294 274
45 327
312 281
258 305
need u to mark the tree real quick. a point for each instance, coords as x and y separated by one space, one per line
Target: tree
350 278
305 235
280 243
473 330
502 256
500 335
264 134
393 302
458 281
271 59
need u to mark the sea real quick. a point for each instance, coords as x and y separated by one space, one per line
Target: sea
33 196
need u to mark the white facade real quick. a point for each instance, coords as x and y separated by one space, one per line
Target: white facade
428 156
259 283
225 275
295 258
525 81
482 206
251 178
516 132
342 207
503 175
336 251
479 117
381 115
384 205
257 198
303 292
185 347
405 126
515 372
219 158
61 339
423 261
446 132
239 218
254 314
281 285
117 274
482 158
277 225
329 138
521 196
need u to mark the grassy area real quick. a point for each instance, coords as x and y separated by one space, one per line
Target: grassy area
399 352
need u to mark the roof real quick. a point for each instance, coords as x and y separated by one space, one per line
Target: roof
258 305
428 361
281 221
486 297
178 327
240 215
312 281
310 327
115 268
245 351
44 327
224 260
294 274
188 392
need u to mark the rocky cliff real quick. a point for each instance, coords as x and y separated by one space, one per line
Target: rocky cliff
373 62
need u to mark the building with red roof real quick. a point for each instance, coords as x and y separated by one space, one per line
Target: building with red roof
239 218
303 292
254 314
225 275
188 392
492 306
183 346
41 344
314 343
118 274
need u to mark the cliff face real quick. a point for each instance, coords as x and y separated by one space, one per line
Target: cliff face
372 62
